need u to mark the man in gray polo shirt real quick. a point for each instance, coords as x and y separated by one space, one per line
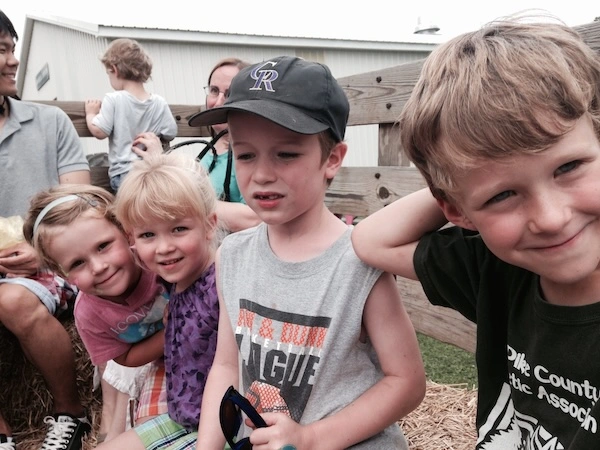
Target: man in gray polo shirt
39 148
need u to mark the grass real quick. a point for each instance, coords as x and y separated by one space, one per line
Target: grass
447 364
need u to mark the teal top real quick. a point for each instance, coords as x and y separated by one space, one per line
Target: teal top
217 177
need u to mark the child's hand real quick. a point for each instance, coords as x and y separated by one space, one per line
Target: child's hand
92 106
281 431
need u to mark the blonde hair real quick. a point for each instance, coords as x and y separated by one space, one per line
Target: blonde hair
130 59
86 198
165 187
509 88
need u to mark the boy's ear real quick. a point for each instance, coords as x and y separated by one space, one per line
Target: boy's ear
455 215
335 159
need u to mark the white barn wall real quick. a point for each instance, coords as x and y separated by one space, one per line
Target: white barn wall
180 72
75 70
73 58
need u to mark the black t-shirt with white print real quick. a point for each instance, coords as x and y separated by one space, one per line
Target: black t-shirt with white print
538 365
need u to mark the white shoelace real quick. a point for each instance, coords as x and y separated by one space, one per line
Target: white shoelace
59 433
7 446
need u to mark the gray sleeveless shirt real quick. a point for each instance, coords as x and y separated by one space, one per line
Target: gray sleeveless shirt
297 326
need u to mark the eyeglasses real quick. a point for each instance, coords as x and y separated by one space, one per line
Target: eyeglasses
230 416
213 91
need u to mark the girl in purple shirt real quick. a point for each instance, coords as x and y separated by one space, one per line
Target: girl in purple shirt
167 205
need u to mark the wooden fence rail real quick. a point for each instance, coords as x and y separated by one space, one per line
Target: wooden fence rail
375 97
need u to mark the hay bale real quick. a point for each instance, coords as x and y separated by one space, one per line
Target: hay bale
25 398
445 420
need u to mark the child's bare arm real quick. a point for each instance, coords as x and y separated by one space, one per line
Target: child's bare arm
223 373
236 216
144 351
402 388
387 239
393 336
92 108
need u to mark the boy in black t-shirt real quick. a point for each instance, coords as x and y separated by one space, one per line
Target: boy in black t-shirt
504 125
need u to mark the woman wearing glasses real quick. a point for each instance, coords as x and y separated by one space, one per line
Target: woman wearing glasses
220 163
232 209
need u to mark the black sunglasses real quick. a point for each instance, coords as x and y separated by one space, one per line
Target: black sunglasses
230 416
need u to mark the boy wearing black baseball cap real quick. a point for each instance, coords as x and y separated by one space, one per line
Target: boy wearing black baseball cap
319 342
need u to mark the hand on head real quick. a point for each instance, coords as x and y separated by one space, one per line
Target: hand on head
146 144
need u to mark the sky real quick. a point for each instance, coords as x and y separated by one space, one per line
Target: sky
382 20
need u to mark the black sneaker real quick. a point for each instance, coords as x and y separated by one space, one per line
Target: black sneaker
5 445
65 432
